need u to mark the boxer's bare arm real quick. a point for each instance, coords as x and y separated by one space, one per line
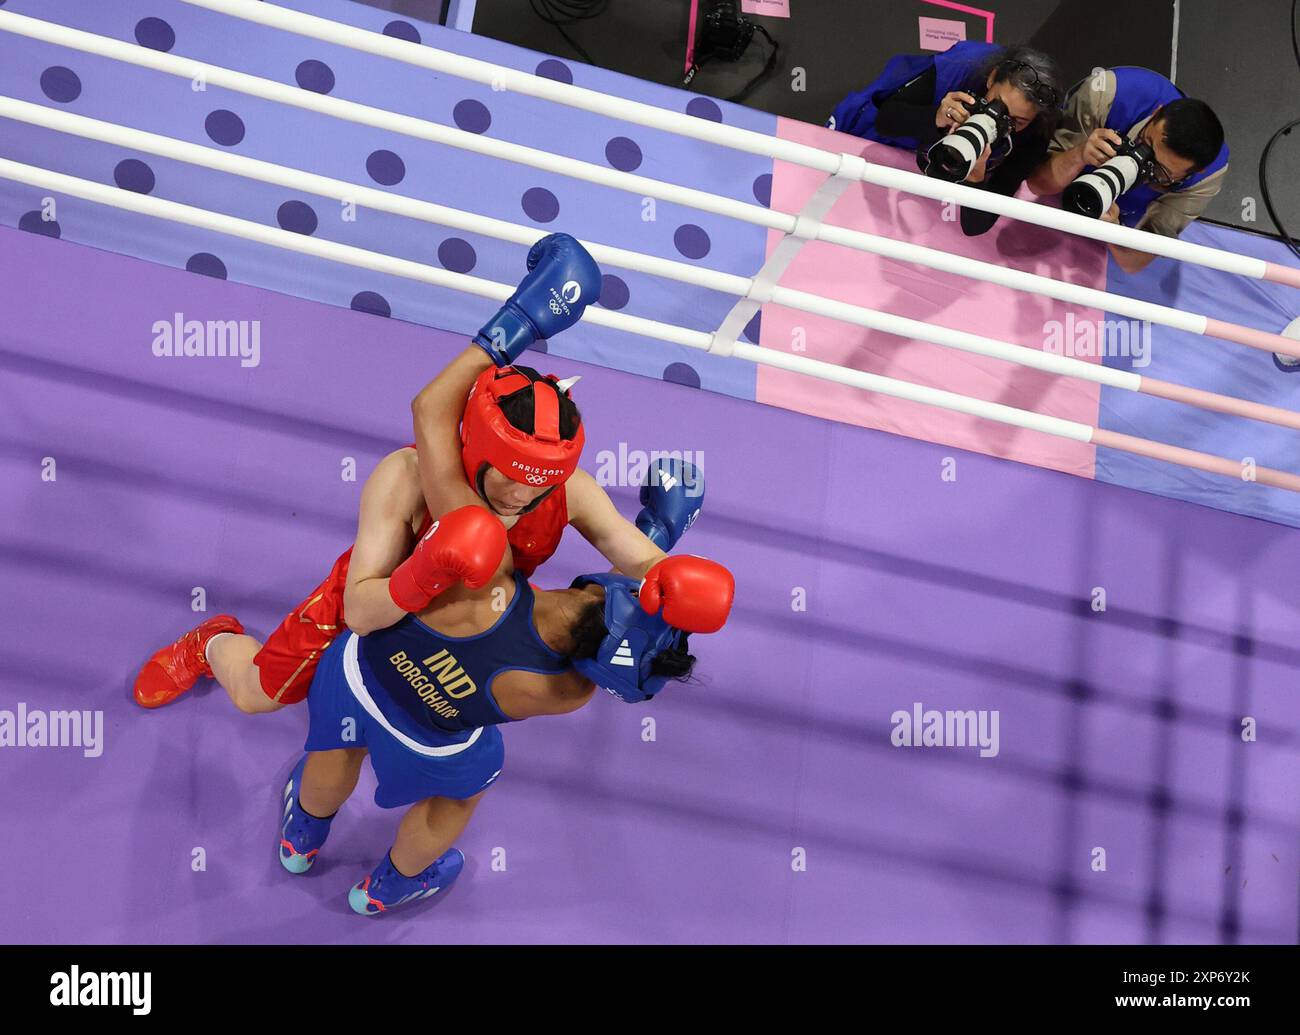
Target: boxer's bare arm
389 502
525 695
436 412
619 541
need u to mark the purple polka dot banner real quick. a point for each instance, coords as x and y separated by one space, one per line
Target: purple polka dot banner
214 117
623 154
613 291
297 216
553 69
398 30
472 117
370 302
457 255
155 34
60 84
540 205
315 76
386 168
224 127
206 264
132 174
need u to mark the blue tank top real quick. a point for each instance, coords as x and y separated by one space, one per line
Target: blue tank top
1138 93
444 683
954 70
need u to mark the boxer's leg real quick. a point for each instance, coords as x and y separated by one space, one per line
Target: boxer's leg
286 663
318 786
329 779
440 795
326 775
421 862
174 669
428 829
258 677
231 660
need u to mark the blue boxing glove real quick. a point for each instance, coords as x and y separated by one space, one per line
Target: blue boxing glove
562 281
671 499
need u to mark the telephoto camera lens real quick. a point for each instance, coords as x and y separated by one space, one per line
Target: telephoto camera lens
1092 194
952 158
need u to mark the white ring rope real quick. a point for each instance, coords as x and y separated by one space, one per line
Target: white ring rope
844 166
144 204
387 201
736 138
641 185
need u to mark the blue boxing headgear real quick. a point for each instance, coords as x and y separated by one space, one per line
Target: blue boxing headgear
622 662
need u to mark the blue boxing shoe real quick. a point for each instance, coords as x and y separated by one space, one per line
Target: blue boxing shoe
387 889
301 834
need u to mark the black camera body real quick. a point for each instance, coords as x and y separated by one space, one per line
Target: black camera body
724 33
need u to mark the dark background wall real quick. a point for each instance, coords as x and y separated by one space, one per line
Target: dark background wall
425 10
1235 54
839 43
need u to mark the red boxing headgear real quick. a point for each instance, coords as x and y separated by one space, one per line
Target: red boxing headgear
487 437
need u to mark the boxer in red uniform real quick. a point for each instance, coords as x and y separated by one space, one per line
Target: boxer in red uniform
514 437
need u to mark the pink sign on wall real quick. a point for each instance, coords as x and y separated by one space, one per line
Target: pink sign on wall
979 12
941 33
771 8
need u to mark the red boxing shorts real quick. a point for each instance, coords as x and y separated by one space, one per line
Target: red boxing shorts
287 661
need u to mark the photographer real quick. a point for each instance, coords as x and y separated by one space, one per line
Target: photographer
918 99
1138 105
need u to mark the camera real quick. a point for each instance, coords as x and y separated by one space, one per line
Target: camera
724 34
953 157
1092 194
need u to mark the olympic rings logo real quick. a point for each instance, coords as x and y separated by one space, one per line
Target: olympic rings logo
535 479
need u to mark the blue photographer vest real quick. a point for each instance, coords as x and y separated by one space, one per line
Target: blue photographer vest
1138 93
954 69
444 683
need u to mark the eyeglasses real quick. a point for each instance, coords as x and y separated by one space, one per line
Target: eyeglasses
1163 178
1025 77
1160 176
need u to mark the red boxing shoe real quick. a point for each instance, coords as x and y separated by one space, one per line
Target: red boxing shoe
178 666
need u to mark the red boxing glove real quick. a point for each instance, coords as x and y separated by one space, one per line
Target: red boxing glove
464 546
695 594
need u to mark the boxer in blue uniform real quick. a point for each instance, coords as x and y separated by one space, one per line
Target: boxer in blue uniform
451 644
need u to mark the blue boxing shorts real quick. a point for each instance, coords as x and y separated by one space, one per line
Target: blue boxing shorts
411 762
